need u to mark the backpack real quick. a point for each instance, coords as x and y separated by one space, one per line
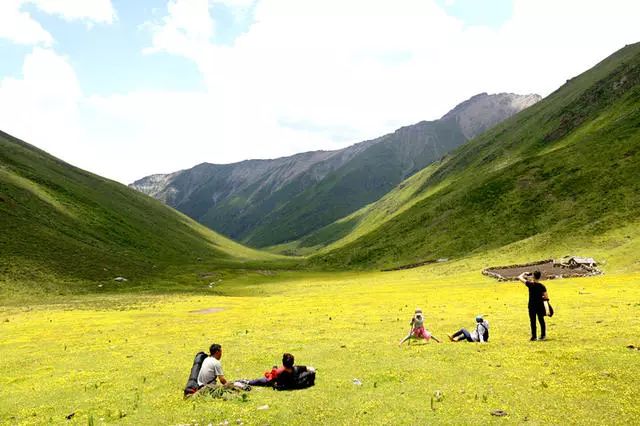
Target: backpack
192 383
549 312
301 378
305 379
485 335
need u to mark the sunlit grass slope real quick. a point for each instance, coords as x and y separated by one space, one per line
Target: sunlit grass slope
63 229
125 359
567 167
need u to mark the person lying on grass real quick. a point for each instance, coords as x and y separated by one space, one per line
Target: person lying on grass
286 377
418 331
479 334
271 375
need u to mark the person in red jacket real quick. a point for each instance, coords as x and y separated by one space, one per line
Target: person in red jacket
271 375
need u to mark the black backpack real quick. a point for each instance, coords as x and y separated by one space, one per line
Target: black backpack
192 383
301 378
485 335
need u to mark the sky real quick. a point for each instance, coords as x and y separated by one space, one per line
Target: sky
126 88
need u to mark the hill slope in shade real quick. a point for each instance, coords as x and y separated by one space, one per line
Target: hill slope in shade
267 202
62 223
566 168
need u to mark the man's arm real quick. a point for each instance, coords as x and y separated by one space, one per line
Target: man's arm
222 379
522 278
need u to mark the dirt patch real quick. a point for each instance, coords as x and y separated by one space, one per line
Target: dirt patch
207 311
549 269
415 265
205 275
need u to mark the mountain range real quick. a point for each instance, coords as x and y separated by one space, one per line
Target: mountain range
268 202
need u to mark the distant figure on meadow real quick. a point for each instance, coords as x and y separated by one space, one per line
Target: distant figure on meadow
212 368
418 331
538 302
479 334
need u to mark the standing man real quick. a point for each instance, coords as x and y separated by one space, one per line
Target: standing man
537 297
212 368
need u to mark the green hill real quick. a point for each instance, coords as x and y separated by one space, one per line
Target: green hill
63 229
566 169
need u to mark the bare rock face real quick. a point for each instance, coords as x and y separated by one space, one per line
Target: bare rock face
484 111
267 202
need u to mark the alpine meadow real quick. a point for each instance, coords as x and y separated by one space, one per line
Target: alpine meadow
108 291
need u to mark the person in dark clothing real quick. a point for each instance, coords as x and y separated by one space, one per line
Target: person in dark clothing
537 297
271 375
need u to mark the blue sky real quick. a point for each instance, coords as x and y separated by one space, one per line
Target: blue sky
109 59
490 13
129 88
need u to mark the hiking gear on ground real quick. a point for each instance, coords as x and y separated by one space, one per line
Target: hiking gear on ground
301 378
192 383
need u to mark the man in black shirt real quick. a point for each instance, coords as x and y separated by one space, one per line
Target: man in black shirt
537 297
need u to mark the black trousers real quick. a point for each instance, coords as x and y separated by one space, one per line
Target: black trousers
533 313
463 332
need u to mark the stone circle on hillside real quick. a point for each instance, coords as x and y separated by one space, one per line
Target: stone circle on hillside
567 267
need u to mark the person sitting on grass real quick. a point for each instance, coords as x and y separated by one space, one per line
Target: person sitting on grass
479 334
211 369
418 330
271 375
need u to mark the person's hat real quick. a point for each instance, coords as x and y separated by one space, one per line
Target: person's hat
479 318
418 310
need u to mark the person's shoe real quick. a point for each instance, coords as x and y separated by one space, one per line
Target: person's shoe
533 339
450 338
543 338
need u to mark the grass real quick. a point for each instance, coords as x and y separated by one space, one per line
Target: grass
124 358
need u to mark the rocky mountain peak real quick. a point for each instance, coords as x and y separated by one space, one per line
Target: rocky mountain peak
483 111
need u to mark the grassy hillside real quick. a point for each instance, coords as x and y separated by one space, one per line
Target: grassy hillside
64 229
565 168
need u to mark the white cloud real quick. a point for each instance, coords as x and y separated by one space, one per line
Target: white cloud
186 30
42 107
19 27
100 11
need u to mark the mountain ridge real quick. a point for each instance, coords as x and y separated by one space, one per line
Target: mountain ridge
266 202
